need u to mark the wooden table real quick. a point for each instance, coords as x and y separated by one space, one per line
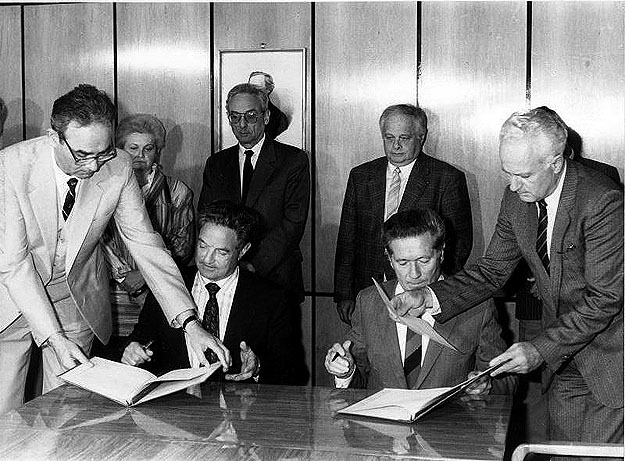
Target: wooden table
245 422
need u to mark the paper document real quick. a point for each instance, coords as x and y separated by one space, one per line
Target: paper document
418 325
130 385
408 405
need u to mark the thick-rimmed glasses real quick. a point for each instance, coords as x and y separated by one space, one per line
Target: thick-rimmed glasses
82 158
251 117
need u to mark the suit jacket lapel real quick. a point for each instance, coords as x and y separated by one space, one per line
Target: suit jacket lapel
388 336
87 201
43 197
232 176
236 319
561 224
264 169
376 185
417 182
434 350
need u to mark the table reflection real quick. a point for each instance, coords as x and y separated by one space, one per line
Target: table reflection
242 421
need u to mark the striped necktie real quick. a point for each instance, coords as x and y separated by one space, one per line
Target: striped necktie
70 198
541 235
412 363
392 198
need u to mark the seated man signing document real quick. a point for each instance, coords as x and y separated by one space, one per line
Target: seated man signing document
247 313
381 353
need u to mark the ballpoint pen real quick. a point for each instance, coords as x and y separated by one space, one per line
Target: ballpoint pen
147 346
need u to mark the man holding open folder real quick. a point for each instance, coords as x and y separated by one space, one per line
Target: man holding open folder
381 353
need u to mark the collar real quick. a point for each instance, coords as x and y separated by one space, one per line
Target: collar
404 171
255 148
224 283
553 200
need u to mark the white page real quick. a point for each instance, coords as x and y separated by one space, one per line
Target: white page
180 380
396 404
114 380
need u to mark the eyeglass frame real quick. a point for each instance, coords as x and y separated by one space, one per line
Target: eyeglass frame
99 158
244 116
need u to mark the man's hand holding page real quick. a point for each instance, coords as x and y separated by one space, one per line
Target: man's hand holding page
521 357
479 388
413 302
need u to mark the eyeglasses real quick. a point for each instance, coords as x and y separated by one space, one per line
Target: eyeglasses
82 159
251 117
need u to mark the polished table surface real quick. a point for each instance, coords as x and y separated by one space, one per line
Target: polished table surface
245 422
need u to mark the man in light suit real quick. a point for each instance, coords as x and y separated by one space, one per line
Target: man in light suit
405 179
377 353
255 322
269 177
577 260
58 192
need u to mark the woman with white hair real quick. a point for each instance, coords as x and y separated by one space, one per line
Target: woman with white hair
170 206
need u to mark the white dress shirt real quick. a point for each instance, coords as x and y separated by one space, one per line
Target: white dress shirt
404 174
61 179
227 288
256 149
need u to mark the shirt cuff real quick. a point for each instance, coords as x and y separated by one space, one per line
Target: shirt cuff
436 307
343 383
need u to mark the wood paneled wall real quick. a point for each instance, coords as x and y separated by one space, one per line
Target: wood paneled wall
476 62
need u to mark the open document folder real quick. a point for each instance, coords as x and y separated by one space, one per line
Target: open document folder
408 405
417 325
130 385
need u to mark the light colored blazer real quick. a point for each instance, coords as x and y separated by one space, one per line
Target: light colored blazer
582 297
375 347
28 238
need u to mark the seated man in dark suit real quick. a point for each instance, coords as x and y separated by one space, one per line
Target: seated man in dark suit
248 314
380 353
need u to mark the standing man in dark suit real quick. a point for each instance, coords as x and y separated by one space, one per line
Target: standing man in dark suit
269 177
249 314
406 178
567 222
376 354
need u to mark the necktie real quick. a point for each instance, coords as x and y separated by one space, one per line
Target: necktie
412 364
210 320
392 198
70 198
541 235
248 171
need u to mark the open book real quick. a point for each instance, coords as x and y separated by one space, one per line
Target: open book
408 405
130 385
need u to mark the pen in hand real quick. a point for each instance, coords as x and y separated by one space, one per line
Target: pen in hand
147 345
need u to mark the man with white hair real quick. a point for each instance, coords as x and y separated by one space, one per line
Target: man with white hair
566 220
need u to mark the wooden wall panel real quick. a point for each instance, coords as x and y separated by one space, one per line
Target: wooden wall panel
64 45
329 330
163 68
473 77
365 60
11 81
578 69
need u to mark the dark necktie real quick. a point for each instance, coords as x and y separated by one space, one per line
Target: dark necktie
210 320
248 171
541 235
70 198
412 364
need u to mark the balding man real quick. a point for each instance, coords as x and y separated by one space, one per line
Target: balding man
566 220
406 178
